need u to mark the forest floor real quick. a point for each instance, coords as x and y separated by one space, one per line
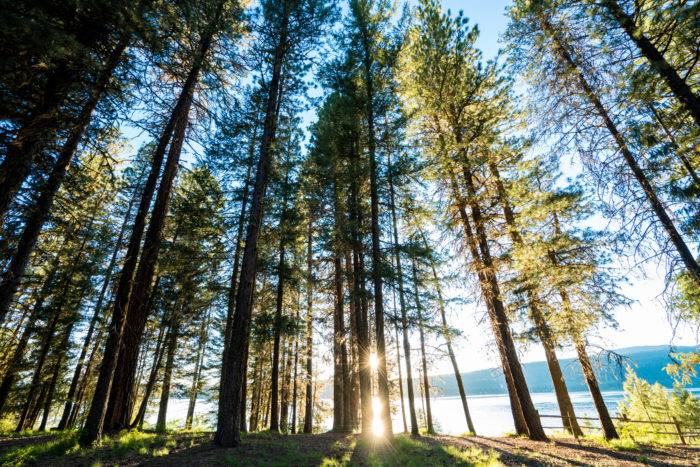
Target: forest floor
331 449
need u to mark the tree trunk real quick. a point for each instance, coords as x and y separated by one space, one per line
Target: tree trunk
398 365
19 353
96 416
338 396
657 61
566 408
606 422
121 397
70 398
153 375
402 305
60 352
518 417
421 331
194 389
354 389
309 400
448 340
657 206
360 303
168 371
39 212
233 364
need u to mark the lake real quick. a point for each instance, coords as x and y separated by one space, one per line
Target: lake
490 413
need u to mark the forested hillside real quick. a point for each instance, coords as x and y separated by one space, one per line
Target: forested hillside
232 202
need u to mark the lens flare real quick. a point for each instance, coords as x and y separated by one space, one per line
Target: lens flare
373 361
377 423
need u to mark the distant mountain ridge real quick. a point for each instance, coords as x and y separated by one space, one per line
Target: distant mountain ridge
647 361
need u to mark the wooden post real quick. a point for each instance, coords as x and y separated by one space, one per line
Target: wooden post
678 429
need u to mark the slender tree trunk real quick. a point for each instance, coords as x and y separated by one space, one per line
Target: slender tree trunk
657 61
274 388
309 398
402 305
338 399
153 375
19 352
56 370
566 408
233 364
38 367
354 389
424 361
398 365
286 386
168 371
518 417
687 165
294 383
194 389
39 212
360 304
605 421
448 340
562 51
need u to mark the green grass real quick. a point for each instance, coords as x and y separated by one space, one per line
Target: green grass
120 446
410 452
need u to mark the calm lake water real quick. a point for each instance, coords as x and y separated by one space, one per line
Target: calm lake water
490 413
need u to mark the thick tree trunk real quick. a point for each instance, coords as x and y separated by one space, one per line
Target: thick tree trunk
233 365
308 393
96 416
518 417
39 212
657 61
424 361
562 51
121 398
402 305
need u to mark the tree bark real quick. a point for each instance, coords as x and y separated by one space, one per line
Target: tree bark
542 329
421 332
96 416
194 389
233 364
308 393
153 375
402 305
168 371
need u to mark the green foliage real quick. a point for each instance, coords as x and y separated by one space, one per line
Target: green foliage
654 403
